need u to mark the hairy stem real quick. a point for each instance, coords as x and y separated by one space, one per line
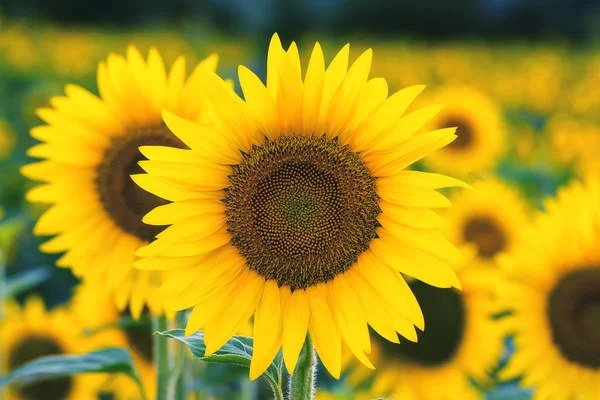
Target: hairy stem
303 382
163 359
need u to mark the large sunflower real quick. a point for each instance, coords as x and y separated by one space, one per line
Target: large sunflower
136 336
29 332
480 130
296 207
461 344
488 219
90 149
554 293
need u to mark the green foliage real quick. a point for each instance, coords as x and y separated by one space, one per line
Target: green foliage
238 351
26 280
110 360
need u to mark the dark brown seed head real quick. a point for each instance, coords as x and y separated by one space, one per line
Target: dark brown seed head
122 199
486 235
464 132
301 209
574 316
445 318
29 349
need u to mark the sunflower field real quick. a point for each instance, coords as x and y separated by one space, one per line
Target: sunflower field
186 214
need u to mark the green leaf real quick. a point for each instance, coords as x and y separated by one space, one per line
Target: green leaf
238 350
110 360
26 280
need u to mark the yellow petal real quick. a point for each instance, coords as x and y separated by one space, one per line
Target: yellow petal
295 326
204 177
346 96
324 332
173 213
408 152
418 264
185 249
411 195
391 286
208 142
239 309
313 90
343 324
406 127
275 54
267 329
411 216
166 188
383 117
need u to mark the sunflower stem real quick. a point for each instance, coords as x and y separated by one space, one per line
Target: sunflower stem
303 382
163 358
177 386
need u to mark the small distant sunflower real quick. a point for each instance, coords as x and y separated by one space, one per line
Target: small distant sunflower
30 332
461 344
136 336
296 207
90 150
554 295
489 219
480 130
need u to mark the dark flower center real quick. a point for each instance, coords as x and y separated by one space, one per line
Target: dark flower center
574 315
464 132
122 199
444 313
139 333
301 209
486 235
29 349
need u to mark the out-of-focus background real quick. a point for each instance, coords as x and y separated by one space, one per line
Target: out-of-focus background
537 61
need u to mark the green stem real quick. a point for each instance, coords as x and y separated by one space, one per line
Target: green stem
177 386
162 358
303 382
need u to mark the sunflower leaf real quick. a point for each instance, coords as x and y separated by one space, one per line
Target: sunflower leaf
238 350
110 360
26 280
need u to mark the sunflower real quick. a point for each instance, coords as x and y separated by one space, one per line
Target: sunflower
30 332
460 345
488 219
90 148
295 206
135 335
480 131
553 291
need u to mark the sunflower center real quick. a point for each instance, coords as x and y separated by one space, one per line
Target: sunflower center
139 334
122 199
301 209
486 235
444 313
29 349
574 315
464 133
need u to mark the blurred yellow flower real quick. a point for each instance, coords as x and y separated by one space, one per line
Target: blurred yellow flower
97 311
89 150
553 292
29 332
489 219
460 343
480 130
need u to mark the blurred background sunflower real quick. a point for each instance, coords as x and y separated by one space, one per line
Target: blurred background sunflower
521 83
